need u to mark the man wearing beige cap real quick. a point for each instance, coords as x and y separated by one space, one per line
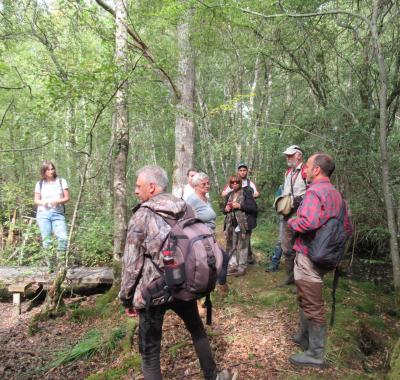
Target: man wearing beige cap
295 186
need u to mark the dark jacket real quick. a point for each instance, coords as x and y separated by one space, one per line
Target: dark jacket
249 206
147 232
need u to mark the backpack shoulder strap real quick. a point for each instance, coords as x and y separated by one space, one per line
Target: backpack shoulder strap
342 209
304 173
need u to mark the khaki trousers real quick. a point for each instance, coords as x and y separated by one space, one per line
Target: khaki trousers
308 280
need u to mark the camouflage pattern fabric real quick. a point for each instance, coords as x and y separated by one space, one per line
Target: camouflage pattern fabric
147 232
240 215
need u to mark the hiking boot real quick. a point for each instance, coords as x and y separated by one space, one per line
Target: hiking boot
288 280
226 375
222 289
315 355
250 260
271 268
240 273
231 271
301 337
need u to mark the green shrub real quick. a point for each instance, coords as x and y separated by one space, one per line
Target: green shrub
92 244
94 342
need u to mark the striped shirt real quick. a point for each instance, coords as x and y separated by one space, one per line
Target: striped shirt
321 203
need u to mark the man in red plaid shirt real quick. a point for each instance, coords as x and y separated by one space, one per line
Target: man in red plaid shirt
321 203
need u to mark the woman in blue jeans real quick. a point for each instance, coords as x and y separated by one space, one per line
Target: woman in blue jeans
51 193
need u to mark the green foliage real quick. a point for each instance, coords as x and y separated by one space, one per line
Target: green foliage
174 350
264 237
395 362
368 306
104 307
93 240
94 342
128 363
273 299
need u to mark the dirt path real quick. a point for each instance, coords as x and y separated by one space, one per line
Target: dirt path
251 340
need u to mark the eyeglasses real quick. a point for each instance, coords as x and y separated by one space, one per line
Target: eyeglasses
207 184
235 183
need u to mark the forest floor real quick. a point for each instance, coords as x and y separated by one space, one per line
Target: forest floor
251 334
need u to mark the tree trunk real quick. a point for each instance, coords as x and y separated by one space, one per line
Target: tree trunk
184 126
121 131
383 117
252 117
206 139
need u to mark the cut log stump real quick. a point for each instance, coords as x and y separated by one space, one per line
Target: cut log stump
18 291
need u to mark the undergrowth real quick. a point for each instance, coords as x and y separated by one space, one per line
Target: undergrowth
105 306
129 362
94 342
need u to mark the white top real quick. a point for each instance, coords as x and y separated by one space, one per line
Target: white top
187 192
50 192
294 177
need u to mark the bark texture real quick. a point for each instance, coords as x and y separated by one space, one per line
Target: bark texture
184 126
121 130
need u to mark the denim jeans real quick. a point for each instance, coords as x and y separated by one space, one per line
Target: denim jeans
276 257
150 332
50 222
224 269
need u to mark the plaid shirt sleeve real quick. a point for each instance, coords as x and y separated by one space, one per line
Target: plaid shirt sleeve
308 215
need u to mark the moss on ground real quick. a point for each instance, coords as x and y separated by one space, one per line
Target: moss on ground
360 307
127 364
394 373
106 306
363 311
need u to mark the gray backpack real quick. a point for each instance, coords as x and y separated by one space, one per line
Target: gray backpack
197 261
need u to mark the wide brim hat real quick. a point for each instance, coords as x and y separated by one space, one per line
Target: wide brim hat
283 204
292 149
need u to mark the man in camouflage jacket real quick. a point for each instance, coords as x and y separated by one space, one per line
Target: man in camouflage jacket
147 231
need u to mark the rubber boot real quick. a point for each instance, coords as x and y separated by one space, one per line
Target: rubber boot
315 355
226 375
301 337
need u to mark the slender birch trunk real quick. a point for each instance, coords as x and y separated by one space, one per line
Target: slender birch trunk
184 125
121 131
383 118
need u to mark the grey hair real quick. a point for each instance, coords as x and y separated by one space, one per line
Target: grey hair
154 174
198 177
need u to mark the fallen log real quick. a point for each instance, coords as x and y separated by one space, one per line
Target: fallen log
39 275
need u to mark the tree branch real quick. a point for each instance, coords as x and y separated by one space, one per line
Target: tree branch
304 15
303 130
26 149
139 44
5 112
